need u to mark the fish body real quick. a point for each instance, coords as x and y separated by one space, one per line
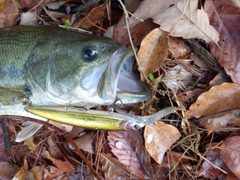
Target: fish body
51 66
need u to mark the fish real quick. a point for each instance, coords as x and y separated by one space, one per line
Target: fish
49 66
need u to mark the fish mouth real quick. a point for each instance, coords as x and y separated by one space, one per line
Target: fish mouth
119 81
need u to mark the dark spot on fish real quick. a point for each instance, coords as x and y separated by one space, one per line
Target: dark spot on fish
12 72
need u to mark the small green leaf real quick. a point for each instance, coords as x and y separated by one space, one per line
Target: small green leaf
141 107
151 77
67 23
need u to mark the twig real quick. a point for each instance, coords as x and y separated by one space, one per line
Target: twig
126 16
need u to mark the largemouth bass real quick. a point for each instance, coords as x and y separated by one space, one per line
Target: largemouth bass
51 66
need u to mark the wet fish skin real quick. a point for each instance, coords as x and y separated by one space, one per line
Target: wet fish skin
49 62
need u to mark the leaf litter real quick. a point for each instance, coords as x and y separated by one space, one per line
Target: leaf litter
201 141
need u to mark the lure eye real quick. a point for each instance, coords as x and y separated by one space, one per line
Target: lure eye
136 127
89 54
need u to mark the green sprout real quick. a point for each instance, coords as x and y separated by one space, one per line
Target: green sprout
151 77
67 23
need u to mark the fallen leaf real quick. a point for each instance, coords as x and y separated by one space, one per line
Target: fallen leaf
119 32
8 13
28 3
29 142
178 77
159 138
55 5
219 121
149 8
113 169
230 151
224 21
53 149
184 19
50 172
131 5
219 98
28 19
178 47
153 51
209 171
95 16
62 164
36 173
85 142
8 170
219 79
190 96
234 2
128 147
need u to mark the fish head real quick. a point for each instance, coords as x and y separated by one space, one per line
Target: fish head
83 69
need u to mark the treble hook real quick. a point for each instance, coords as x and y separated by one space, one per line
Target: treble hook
79 108
113 107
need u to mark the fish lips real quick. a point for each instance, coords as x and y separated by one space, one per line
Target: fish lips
119 81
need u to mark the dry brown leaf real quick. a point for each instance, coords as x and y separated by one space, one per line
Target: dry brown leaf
85 142
219 121
29 142
28 3
36 173
128 147
159 138
28 19
149 8
190 96
63 165
219 98
119 32
185 20
113 169
234 2
8 170
178 47
50 172
53 149
209 171
131 5
153 51
230 151
55 5
219 79
92 18
225 22
178 77
8 13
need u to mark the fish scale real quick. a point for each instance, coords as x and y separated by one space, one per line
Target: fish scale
15 48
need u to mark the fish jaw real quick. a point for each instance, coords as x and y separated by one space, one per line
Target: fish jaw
119 81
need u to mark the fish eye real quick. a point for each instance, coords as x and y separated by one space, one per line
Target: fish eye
89 54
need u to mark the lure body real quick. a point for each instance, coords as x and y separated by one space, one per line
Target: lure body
92 119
